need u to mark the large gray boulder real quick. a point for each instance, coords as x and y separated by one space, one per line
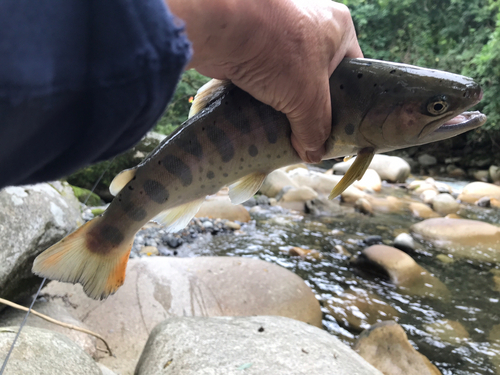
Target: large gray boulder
389 168
253 345
32 218
159 288
43 352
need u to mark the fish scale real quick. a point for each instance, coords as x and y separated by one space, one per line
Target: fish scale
234 140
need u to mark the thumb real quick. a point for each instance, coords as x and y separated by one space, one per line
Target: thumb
311 121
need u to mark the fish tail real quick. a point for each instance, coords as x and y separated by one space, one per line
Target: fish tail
71 260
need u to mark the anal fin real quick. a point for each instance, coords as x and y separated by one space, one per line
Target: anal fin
355 172
177 218
246 187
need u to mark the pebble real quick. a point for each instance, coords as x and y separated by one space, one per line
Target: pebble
404 242
483 202
372 240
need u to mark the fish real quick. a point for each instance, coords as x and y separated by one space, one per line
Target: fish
231 139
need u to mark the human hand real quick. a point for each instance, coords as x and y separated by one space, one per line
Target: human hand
282 52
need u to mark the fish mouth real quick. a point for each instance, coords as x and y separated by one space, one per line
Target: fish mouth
463 122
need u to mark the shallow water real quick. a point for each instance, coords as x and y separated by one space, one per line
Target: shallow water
474 302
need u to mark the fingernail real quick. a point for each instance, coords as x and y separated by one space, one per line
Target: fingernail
314 156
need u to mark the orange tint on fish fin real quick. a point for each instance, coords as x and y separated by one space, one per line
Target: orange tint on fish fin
70 260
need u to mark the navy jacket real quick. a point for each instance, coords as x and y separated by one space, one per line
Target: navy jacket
81 81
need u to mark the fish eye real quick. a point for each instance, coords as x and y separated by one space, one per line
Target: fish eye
437 105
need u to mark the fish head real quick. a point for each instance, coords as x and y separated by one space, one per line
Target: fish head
394 105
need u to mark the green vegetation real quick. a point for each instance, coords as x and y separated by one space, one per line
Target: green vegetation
86 196
461 36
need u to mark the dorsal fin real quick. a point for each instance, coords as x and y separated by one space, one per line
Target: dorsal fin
355 172
121 180
207 93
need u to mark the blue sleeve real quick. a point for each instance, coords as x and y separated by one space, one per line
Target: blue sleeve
81 81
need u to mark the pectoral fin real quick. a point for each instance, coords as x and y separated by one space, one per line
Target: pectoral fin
177 218
246 187
355 172
121 180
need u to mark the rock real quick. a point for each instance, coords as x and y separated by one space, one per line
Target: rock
86 196
372 240
494 173
402 270
305 253
476 190
445 204
427 160
13 317
274 182
250 202
222 208
88 176
294 166
43 352
386 205
319 182
254 345
352 194
389 168
495 203
105 370
386 346
360 309
404 242
363 206
481 175
466 239
442 187
32 218
453 216
323 206
428 195
262 200
370 181
483 202
449 331
456 172
150 250
162 287
300 194
444 258
422 211
232 225
425 186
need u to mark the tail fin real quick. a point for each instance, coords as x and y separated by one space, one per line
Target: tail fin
70 260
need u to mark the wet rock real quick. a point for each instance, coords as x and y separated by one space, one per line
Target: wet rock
404 242
386 205
370 181
43 352
389 168
262 200
449 331
427 160
494 173
352 194
232 225
469 239
222 208
445 204
32 218
386 346
319 182
453 216
254 345
444 258
481 175
456 172
360 309
172 241
274 182
364 206
495 203
250 202
323 206
372 240
422 211
300 194
483 202
476 190
283 191
402 270
305 253
14 317
428 195
442 187
161 287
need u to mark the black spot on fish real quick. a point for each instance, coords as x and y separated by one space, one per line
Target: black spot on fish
190 145
134 212
111 234
237 118
178 168
341 87
349 129
225 174
242 160
273 121
210 175
220 168
156 191
392 71
269 156
202 186
130 187
278 156
241 168
200 169
253 151
360 75
221 142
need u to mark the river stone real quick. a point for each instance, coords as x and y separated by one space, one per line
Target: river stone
360 309
422 211
370 181
220 207
364 206
32 218
274 182
476 190
13 317
319 182
495 203
428 195
445 204
324 206
389 168
352 194
427 160
44 352
481 175
300 194
404 242
162 287
386 346
402 270
251 345
494 173
386 205
466 239
449 331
